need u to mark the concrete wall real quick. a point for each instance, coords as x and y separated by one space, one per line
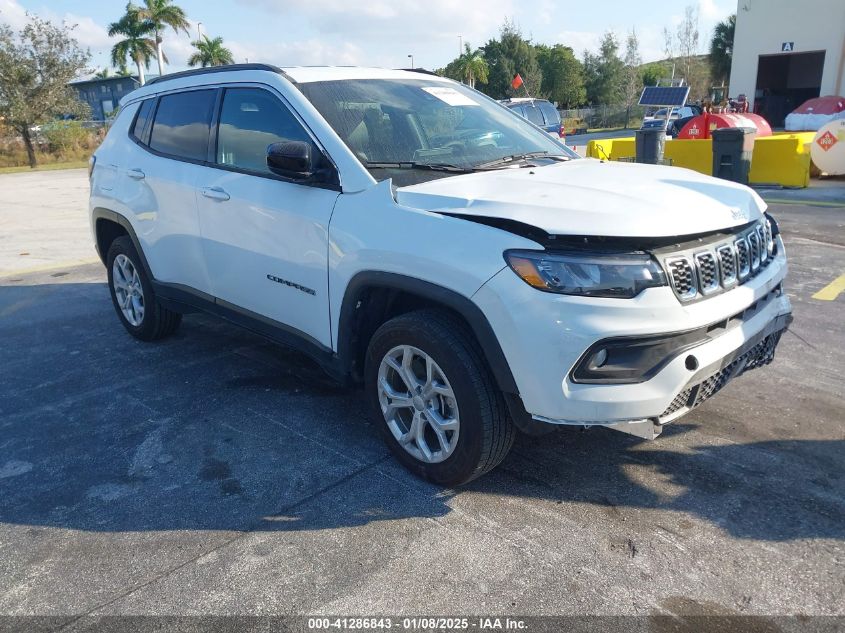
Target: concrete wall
762 26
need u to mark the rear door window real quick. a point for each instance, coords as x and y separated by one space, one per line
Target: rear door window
182 123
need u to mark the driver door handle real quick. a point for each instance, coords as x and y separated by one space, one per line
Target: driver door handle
215 193
136 174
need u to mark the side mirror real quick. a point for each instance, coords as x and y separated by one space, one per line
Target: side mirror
291 159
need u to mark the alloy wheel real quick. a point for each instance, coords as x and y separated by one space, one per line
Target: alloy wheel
127 290
418 404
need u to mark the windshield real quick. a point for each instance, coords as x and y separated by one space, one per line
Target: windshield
402 125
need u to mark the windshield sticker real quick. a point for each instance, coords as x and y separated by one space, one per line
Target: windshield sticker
450 96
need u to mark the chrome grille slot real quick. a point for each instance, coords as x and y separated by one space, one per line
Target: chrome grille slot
754 250
708 272
682 276
764 250
727 264
743 258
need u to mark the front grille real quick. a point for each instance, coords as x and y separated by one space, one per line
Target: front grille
761 354
682 275
707 272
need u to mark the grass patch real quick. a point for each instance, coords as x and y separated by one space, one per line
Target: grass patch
75 164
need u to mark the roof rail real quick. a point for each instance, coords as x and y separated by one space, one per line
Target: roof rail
419 70
220 69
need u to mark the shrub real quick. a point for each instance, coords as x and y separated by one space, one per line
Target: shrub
64 137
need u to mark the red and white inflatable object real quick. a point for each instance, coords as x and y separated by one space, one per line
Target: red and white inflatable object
700 127
814 114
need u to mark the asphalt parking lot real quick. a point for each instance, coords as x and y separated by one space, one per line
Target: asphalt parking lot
216 473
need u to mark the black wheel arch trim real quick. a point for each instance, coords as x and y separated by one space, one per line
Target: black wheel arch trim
464 306
106 214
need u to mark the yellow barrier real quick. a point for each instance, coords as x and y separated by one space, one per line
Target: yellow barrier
783 159
696 155
611 148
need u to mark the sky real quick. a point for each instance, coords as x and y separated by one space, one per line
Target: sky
377 32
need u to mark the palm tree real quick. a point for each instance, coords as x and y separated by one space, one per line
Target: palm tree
136 44
473 67
160 14
721 49
210 52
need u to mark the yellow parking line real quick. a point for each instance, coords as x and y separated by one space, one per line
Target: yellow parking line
4 274
831 290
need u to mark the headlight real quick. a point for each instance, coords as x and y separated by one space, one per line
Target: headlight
587 274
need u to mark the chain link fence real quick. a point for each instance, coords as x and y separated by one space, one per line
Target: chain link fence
602 116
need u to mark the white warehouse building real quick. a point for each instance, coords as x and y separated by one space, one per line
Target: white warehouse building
788 51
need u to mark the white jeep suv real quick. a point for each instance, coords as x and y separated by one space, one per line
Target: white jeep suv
418 238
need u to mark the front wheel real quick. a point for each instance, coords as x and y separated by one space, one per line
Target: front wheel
435 399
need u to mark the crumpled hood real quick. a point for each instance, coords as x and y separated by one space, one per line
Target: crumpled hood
591 197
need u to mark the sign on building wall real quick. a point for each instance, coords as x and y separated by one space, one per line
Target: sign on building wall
787 47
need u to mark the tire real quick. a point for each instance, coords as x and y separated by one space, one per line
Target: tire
147 320
485 432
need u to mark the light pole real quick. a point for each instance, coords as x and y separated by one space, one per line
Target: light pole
199 31
411 57
460 45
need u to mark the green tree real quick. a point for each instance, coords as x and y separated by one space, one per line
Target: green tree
210 52
563 76
631 81
507 56
36 66
160 14
604 72
136 43
651 74
472 66
722 49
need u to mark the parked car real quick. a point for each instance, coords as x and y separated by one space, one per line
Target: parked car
658 119
540 112
473 275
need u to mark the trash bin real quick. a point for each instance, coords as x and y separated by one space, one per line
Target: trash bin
650 144
732 149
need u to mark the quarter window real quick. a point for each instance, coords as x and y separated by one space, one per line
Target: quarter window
181 124
250 121
141 119
550 113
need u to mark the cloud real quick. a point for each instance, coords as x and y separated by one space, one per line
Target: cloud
12 13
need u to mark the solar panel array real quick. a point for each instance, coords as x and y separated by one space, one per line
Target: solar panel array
675 96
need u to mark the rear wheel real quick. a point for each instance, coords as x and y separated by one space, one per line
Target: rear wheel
132 294
438 408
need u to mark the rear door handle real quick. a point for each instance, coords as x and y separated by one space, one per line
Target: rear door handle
136 174
215 193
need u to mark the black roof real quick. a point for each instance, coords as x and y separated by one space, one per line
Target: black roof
219 69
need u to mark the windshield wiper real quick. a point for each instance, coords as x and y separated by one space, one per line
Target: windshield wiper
515 158
415 165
